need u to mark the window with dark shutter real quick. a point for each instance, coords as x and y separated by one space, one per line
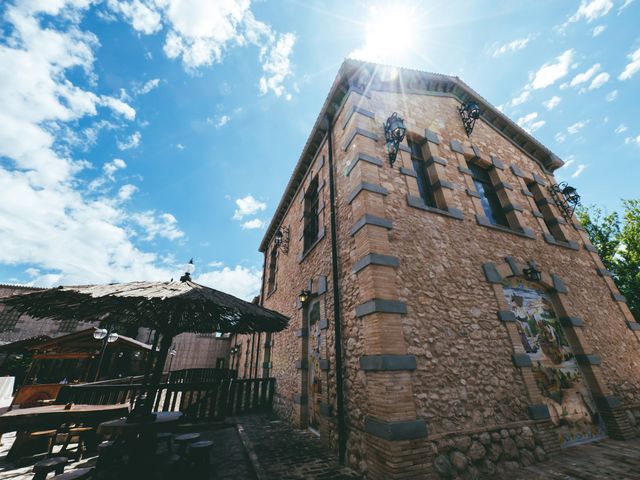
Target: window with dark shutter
488 196
424 183
311 221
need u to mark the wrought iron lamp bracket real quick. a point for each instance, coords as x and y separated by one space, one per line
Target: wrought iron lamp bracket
566 198
469 113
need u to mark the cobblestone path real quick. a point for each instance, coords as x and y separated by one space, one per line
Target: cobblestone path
287 454
606 460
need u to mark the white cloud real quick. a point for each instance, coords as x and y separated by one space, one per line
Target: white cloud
200 32
632 67
624 5
147 87
120 107
51 221
591 10
143 17
599 80
581 168
598 30
253 224
132 142
552 102
529 122
127 191
635 140
621 128
569 161
222 121
576 127
240 281
180 146
512 46
157 225
584 76
560 137
276 65
520 99
248 206
550 73
611 96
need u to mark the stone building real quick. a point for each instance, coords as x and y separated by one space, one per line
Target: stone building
456 322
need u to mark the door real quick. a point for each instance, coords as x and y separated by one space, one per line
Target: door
315 379
555 370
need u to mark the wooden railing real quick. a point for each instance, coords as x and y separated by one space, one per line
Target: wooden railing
199 401
189 375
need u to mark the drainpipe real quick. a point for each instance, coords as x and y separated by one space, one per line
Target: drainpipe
342 434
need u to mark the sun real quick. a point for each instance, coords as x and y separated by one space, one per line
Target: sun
390 33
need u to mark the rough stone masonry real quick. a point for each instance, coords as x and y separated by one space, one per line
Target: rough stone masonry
480 330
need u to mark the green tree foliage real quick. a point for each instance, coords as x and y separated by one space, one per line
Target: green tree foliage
618 243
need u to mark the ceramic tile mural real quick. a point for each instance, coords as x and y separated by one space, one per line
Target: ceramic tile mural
555 369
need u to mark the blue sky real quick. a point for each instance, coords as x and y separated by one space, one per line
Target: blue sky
136 134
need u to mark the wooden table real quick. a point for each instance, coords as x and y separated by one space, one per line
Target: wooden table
50 417
162 422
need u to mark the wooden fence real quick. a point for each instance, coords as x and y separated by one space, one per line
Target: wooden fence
198 375
199 401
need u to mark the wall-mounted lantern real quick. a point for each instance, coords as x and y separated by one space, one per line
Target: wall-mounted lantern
532 273
469 112
303 296
281 240
394 131
566 198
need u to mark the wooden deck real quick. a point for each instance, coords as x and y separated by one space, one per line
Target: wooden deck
605 460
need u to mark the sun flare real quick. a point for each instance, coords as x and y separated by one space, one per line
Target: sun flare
389 35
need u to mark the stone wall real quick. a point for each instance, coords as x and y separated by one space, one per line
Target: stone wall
432 385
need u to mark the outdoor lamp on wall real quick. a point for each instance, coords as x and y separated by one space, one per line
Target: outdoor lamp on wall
281 239
303 296
112 337
566 198
394 131
189 268
469 112
532 273
100 333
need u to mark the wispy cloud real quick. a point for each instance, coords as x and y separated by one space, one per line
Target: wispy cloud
147 87
576 127
635 140
253 224
530 123
599 80
589 10
247 206
132 142
581 168
584 76
512 46
621 128
624 5
632 67
612 95
560 137
598 30
551 72
552 103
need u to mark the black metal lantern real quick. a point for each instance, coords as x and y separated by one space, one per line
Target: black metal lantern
281 239
394 131
303 296
532 273
469 112
566 198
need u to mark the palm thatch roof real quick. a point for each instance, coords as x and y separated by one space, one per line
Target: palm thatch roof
169 307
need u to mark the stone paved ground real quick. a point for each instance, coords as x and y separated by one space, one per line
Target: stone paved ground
606 460
287 454
229 458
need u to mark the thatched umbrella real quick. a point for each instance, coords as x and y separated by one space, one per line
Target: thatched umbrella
170 308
